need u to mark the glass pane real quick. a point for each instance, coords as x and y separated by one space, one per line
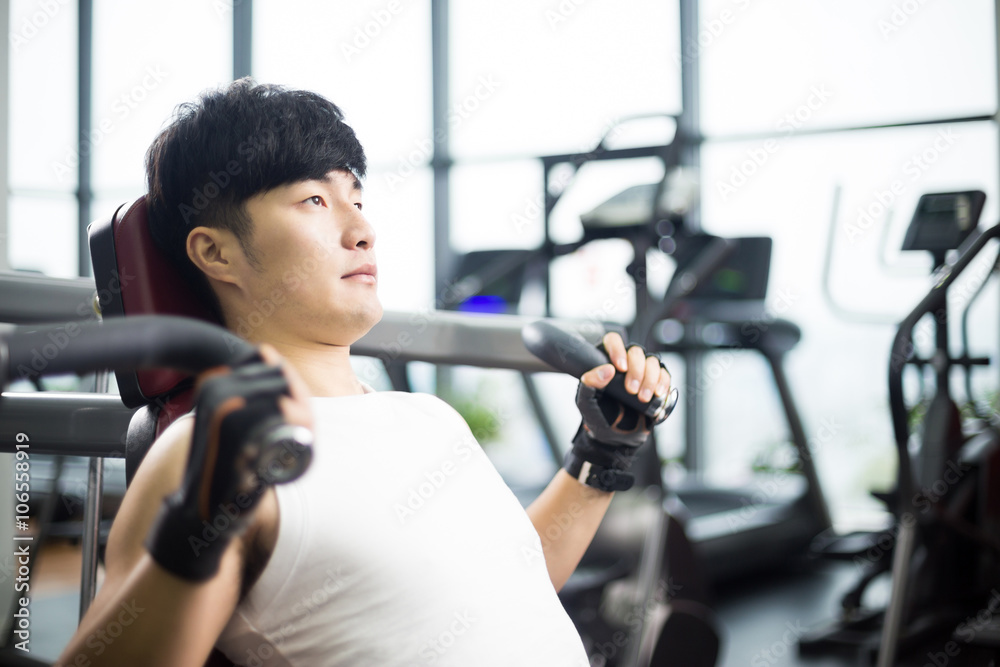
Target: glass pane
43 64
43 235
403 218
371 58
787 65
148 58
532 79
593 184
838 370
496 205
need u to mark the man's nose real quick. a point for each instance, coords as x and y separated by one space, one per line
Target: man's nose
359 233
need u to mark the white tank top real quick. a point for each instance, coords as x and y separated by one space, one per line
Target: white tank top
401 546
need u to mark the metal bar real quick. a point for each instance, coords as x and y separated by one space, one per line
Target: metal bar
814 491
689 136
996 117
67 423
441 157
694 368
398 375
651 566
442 337
895 612
689 121
754 136
35 299
91 533
543 418
444 257
5 105
242 38
597 154
92 517
85 36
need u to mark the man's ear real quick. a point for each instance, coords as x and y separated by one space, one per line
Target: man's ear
217 252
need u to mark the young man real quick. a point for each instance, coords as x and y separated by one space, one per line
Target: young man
254 191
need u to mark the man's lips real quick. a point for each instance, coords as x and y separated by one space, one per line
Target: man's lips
367 273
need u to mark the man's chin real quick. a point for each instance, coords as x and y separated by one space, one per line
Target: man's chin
365 319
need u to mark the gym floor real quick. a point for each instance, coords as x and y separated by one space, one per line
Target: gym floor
761 617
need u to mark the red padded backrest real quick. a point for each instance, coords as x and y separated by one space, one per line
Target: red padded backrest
139 280
134 278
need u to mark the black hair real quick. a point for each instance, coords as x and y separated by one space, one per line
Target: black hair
230 145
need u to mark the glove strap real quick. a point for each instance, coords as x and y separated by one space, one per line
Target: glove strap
597 465
596 475
186 547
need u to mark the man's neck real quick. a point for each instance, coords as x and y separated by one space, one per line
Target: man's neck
326 369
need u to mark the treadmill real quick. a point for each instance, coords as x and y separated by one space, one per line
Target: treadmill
734 530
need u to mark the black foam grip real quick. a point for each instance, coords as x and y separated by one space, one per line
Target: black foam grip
147 341
570 353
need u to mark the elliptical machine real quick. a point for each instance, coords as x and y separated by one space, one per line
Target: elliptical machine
945 559
947 555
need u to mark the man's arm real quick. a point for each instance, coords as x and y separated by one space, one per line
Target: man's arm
568 512
162 619
566 516
145 614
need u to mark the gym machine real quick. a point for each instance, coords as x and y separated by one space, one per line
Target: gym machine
942 546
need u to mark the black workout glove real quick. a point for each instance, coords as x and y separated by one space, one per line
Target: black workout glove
607 440
241 445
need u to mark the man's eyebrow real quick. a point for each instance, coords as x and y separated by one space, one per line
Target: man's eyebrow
355 186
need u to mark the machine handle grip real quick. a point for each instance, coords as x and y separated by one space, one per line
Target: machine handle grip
571 353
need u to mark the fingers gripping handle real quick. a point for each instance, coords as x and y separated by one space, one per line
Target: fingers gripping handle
241 446
570 353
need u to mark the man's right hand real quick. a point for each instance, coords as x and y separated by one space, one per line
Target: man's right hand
242 444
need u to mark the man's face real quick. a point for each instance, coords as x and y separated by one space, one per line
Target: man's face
315 255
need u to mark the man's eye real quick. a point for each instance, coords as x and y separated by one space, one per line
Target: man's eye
359 205
315 199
